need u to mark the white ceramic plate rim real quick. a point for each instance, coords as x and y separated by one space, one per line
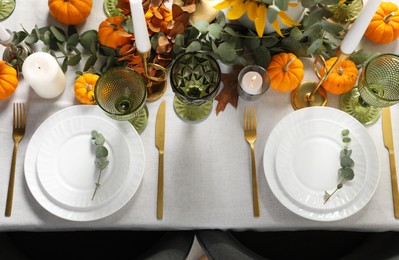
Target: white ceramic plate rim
356 128
128 190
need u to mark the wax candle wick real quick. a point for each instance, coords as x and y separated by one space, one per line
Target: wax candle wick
38 66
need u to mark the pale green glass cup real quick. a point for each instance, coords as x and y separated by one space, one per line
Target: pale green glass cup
195 79
378 87
121 93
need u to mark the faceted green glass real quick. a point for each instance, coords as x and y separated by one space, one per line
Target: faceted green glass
378 87
6 8
195 80
122 93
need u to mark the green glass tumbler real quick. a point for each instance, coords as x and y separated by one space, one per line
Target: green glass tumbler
121 93
378 87
195 79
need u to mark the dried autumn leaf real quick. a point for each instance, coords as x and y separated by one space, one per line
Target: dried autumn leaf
229 93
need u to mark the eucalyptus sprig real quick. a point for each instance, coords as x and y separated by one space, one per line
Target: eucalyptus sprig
69 47
346 172
101 156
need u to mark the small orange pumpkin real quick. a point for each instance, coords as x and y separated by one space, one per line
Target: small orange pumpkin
8 80
384 26
286 72
84 88
111 33
342 78
70 12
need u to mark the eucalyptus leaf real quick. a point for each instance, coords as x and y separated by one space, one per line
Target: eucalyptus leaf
271 14
315 45
347 174
31 39
333 28
215 30
221 19
252 42
226 51
346 162
101 151
269 42
231 31
88 38
73 40
313 30
74 60
61 48
201 26
262 56
104 165
64 66
46 38
58 33
282 4
194 46
90 62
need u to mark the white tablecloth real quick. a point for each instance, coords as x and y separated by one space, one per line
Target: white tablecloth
207 165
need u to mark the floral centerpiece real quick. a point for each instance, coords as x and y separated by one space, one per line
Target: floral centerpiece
173 32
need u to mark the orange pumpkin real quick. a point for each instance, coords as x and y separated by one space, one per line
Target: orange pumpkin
70 12
384 26
111 33
8 80
342 78
84 88
285 71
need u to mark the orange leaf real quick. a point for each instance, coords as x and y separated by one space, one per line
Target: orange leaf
229 93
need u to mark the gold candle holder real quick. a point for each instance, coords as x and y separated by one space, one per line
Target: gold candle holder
18 52
156 85
310 94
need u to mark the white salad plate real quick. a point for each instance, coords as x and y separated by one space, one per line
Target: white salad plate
302 159
60 170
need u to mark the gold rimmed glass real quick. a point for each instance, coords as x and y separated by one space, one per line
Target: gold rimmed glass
121 93
378 87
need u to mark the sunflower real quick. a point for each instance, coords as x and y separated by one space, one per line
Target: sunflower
257 12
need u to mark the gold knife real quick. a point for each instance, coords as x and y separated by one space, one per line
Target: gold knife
160 144
388 142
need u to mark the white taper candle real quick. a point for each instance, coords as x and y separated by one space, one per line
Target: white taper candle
4 35
356 32
140 26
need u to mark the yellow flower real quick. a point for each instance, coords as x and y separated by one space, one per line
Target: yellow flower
256 12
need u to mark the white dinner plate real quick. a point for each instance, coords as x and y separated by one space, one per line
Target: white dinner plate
119 195
301 161
65 163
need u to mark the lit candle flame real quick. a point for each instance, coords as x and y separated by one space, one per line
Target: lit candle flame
252 81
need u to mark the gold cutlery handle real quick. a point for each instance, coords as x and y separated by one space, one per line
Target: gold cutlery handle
394 183
255 193
160 186
10 193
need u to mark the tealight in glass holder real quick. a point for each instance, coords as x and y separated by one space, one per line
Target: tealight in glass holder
253 81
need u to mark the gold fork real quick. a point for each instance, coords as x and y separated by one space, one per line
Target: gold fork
250 136
19 124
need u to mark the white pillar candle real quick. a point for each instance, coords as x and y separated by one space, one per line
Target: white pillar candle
359 27
252 83
5 36
43 73
140 26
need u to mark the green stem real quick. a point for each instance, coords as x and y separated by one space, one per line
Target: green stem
97 184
